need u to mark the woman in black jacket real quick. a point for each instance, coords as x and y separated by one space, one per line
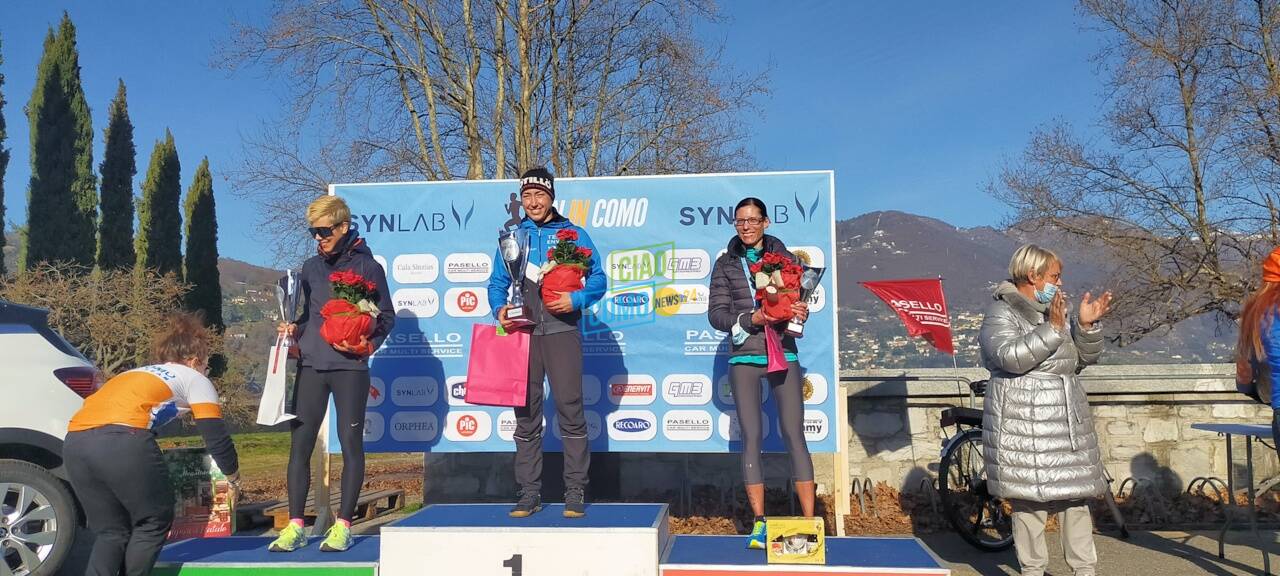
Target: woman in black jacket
734 309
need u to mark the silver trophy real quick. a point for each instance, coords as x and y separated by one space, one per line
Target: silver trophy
287 291
513 245
810 278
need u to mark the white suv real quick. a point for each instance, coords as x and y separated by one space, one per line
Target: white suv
45 381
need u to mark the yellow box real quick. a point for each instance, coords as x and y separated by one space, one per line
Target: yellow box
795 540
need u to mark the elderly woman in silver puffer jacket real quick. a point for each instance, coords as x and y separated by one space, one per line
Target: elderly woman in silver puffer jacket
1041 452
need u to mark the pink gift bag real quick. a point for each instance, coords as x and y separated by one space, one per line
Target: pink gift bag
498 370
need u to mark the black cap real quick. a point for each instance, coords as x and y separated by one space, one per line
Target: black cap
540 178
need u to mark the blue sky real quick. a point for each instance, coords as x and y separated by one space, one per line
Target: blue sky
915 105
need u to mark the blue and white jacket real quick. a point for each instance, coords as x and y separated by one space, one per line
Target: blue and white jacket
542 237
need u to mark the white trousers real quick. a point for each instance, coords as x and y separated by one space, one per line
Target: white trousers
1076 528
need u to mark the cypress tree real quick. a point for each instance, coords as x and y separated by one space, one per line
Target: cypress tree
159 240
201 262
62 203
115 231
4 164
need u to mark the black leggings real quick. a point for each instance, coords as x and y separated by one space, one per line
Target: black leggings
788 395
350 390
123 484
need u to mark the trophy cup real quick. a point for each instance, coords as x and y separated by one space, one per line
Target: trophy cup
271 406
513 245
287 298
809 280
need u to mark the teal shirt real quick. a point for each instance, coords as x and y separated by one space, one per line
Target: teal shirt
753 256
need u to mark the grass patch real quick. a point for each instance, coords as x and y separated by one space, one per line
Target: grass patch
269 451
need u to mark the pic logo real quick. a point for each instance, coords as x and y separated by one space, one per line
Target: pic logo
467 426
467 301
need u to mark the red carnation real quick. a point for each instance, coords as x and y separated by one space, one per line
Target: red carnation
370 286
567 234
551 253
584 252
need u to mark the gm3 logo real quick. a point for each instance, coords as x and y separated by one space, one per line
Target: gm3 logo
605 212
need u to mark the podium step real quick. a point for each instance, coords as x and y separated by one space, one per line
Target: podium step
865 556
481 540
245 555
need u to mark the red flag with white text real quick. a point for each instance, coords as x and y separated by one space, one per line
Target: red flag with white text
921 306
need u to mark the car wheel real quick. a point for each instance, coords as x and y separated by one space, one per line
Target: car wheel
37 520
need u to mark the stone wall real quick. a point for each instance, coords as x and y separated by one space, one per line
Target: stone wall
1143 416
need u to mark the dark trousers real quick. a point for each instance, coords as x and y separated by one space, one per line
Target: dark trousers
557 357
788 396
122 483
350 389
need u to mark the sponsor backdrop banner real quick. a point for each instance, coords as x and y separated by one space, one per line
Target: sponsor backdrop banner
655 372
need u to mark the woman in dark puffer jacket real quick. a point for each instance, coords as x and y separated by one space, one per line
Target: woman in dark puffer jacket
735 310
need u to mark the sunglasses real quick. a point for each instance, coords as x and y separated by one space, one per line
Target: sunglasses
322 231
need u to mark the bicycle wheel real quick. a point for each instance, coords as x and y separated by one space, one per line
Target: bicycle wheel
982 520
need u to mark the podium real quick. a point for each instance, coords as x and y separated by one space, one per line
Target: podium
865 556
245 556
481 540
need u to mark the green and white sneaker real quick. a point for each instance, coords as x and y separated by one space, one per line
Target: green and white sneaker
756 541
337 539
291 538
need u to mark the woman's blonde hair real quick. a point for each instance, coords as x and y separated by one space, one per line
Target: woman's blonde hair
331 206
184 337
1029 259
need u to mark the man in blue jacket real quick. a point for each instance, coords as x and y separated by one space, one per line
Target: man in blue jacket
555 350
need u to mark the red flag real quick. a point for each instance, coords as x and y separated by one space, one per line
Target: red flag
921 306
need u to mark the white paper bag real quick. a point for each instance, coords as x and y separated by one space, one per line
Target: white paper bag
271 409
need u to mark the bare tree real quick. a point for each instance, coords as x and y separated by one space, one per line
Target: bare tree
436 89
1164 198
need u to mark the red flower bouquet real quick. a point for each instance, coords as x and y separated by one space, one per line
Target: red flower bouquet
777 281
348 317
566 265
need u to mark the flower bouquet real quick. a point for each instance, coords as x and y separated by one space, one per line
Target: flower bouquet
566 265
348 317
777 281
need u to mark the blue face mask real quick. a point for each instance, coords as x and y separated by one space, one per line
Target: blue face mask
1045 295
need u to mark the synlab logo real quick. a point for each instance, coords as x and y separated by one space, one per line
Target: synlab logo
807 214
462 220
415 391
416 302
